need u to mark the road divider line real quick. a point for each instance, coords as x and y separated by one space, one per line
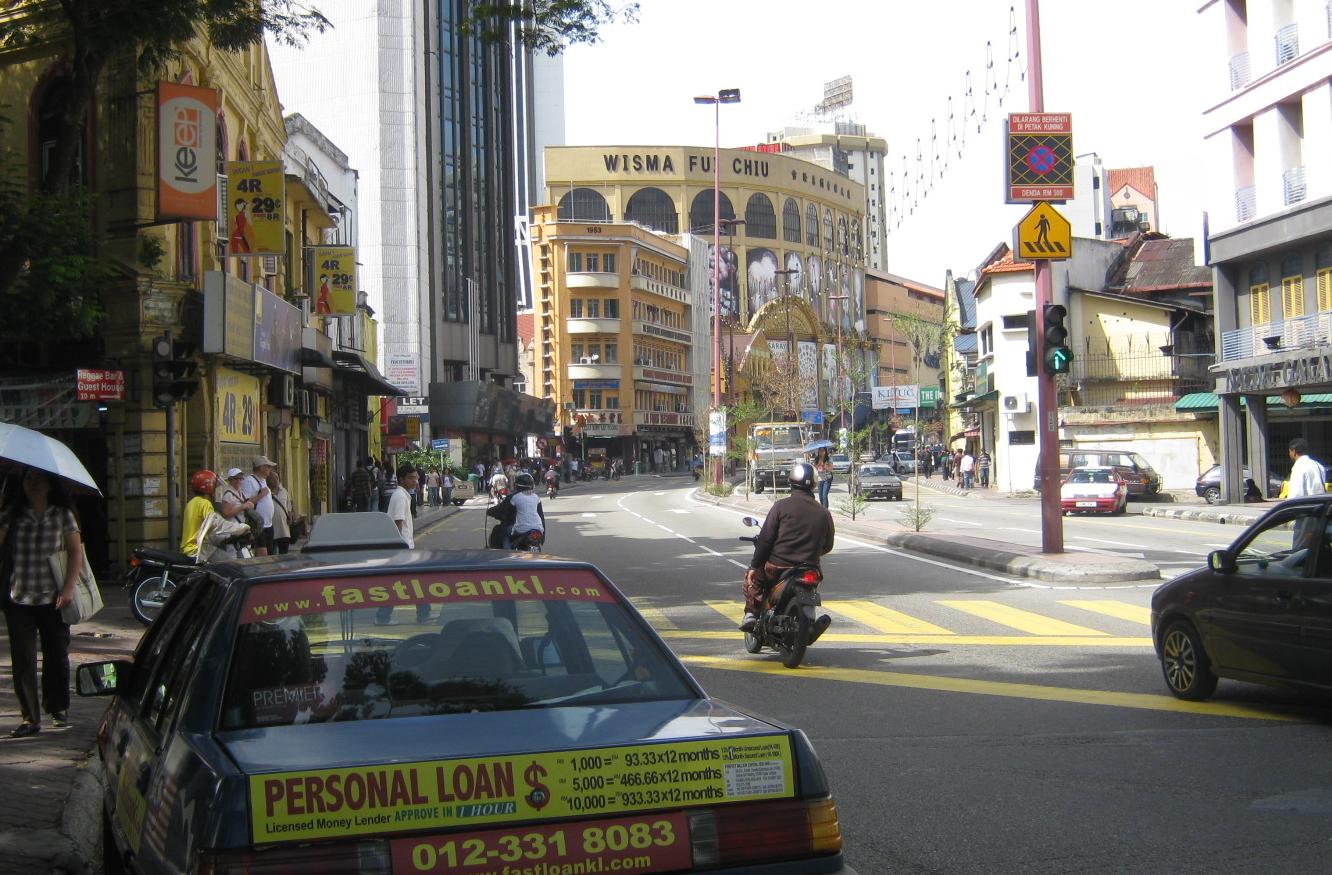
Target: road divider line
1015 618
1002 689
882 619
734 612
1120 610
944 519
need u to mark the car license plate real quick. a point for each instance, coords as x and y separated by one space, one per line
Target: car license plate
1086 504
650 843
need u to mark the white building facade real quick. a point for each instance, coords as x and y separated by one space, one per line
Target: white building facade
1005 398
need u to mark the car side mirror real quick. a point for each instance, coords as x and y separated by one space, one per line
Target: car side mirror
103 678
1221 561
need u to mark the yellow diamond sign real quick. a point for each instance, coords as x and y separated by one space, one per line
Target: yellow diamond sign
1043 233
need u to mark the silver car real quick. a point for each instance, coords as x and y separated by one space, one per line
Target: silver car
841 463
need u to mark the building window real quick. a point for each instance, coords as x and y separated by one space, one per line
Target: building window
760 219
594 399
791 221
580 398
811 225
611 353
576 351
612 402
827 230
611 308
654 209
1018 322
1292 297
608 263
583 205
575 262
575 308
1260 304
593 263
1022 438
1325 290
593 308
700 212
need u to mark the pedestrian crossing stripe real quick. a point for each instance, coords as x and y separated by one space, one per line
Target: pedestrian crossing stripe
895 627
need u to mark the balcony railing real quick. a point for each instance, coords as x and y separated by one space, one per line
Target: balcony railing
1246 203
1287 44
661 417
1302 332
593 325
1239 71
1136 379
1292 185
657 287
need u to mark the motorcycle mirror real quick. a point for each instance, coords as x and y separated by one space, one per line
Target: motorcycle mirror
749 521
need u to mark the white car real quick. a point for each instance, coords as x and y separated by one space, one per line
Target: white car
841 463
1093 490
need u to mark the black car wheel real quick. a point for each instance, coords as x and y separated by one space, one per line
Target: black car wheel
1212 494
1187 672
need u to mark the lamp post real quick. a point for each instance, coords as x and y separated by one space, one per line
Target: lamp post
794 375
731 394
841 414
725 95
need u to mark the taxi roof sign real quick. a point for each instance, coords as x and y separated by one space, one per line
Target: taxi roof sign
1043 233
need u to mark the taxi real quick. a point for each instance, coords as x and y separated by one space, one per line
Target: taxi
363 708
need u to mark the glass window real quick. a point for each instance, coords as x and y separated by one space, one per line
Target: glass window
583 205
608 263
594 399
612 402
700 212
580 398
1279 549
483 647
760 219
791 221
811 225
654 209
576 351
593 262
611 308
575 308
593 308
611 353
148 687
575 262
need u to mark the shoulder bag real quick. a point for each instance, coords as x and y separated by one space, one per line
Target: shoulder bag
87 597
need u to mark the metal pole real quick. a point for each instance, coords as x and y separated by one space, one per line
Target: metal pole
173 524
716 274
1052 521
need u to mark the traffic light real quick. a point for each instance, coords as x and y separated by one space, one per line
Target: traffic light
1031 344
1058 357
175 372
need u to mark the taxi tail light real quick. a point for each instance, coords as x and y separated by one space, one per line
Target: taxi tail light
364 858
765 831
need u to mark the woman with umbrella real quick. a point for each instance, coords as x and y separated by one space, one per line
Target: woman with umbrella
38 522
823 465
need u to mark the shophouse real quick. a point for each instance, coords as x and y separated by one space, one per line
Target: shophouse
1267 129
903 317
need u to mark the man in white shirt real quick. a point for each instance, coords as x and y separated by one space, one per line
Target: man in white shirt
400 511
968 467
253 488
499 480
1307 476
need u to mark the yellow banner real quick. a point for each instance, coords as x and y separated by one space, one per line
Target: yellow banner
255 190
301 806
238 407
333 275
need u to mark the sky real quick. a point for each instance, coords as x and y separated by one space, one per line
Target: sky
1128 71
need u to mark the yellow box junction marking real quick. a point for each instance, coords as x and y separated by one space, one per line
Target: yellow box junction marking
657 618
1139 701
1119 610
1023 621
883 619
732 611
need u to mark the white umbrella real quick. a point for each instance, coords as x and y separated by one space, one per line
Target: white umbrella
24 448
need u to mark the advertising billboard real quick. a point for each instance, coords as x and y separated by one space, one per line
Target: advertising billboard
255 190
186 152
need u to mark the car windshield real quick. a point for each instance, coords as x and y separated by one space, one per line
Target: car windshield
1091 477
875 471
778 437
1143 464
365 648
840 457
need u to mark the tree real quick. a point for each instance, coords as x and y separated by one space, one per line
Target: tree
742 447
548 26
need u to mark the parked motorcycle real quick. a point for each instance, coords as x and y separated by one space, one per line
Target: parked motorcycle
787 622
151 578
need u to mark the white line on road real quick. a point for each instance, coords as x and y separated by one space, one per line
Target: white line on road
679 510
944 519
587 514
1024 531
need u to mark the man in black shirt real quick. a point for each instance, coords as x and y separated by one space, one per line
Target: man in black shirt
798 531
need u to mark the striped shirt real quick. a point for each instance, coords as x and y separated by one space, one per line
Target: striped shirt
34 540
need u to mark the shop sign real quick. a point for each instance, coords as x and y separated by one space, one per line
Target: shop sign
596 384
100 385
333 277
186 146
228 316
417 405
400 370
277 332
929 396
237 408
1297 372
255 190
717 433
601 429
48 415
886 397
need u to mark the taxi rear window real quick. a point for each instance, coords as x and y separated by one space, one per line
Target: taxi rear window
367 648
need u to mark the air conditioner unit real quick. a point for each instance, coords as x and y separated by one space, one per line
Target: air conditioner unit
282 391
1016 403
305 403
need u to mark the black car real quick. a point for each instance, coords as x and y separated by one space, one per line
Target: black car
1261 610
1208 486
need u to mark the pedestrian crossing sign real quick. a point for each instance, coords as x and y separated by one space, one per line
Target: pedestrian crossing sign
1043 233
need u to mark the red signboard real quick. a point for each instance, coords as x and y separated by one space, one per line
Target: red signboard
1040 157
101 385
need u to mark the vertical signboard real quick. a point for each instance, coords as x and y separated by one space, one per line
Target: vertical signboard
400 371
254 207
333 277
186 152
238 408
1040 157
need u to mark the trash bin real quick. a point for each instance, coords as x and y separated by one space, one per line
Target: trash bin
476 483
638 467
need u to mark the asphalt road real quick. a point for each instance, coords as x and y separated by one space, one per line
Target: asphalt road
971 723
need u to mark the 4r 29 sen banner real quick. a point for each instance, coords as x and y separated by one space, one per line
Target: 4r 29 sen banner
333 279
255 190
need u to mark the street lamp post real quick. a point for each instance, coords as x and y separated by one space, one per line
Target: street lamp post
725 95
841 413
791 358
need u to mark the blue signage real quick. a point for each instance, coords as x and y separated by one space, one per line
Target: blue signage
813 417
439 444
596 384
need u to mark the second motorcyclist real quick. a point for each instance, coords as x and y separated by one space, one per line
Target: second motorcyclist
798 531
519 513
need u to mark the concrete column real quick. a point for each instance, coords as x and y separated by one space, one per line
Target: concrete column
1267 161
1257 405
1262 38
1232 449
1317 107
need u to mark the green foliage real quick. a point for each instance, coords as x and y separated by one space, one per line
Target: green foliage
151 251
917 515
852 504
720 489
548 26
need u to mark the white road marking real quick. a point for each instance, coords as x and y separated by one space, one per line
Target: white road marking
1024 531
679 510
1102 552
587 514
658 493
944 519
1218 546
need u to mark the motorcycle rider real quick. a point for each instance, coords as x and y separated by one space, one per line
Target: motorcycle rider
203 484
552 481
499 480
797 531
529 516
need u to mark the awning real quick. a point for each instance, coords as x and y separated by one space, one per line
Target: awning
351 364
315 358
976 399
973 432
1208 401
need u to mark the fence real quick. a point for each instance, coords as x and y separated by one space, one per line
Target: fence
1137 379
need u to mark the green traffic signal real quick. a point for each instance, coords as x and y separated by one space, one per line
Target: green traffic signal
1058 357
1058 360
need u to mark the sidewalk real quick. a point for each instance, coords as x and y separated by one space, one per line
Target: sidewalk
1074 568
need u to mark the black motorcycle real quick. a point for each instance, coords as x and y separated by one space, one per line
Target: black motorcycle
787 620
151 579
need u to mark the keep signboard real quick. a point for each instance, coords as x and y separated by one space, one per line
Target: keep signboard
254 207
1043 233
333 277
400 370
186 146
1039 157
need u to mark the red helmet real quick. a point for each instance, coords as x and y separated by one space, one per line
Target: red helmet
203 482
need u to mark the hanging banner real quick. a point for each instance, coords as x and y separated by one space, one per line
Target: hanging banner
237 407
186 146
254 207
333 278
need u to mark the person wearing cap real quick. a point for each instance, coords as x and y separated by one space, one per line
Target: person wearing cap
230 502
254 489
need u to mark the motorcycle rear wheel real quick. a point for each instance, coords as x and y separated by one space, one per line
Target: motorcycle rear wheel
148 595
793 647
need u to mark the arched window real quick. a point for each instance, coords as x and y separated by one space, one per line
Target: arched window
857 241
827 230
700 212
760 219
1258 274
583 205
55 94
842 243
811 225
791 221
654 209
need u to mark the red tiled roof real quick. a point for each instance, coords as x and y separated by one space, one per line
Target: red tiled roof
1006 264
1143 179
526 328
